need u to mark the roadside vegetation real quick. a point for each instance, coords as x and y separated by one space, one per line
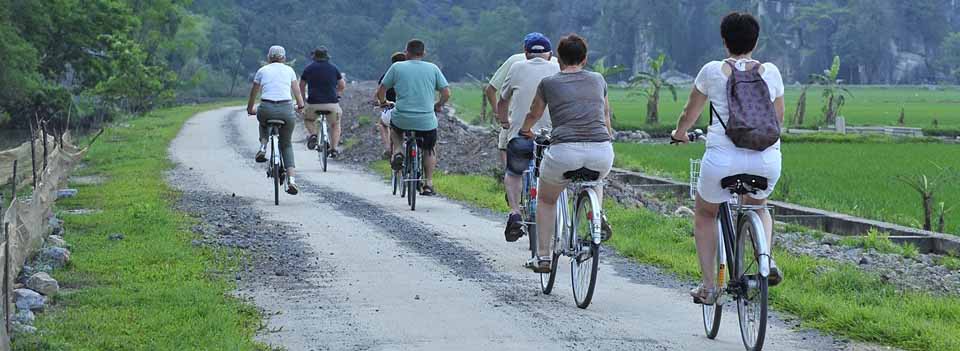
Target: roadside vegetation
833 297
152 290
870 105
853 178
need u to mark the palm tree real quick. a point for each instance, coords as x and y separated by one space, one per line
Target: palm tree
834 94
649 84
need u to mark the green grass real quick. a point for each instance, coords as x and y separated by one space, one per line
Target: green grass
881 243
482 191
833 297
152 290
854 178
870 105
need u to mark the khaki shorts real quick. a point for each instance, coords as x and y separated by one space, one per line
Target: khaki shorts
310 112
565 157
503 139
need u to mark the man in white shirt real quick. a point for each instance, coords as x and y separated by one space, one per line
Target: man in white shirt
516 95
276 84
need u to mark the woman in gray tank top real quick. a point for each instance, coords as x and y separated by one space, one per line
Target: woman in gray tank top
581 136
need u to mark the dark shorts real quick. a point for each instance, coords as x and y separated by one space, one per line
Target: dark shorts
519 154
426 140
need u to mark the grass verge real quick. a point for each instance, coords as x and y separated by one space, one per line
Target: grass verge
152 290
834 297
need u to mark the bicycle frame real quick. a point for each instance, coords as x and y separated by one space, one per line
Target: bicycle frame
414 161
275 147
728 236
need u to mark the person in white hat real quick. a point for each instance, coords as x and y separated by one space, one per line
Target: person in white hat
277 85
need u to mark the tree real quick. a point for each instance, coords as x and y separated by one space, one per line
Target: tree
927 188
833 93
606 71
950 57
801 110
649 84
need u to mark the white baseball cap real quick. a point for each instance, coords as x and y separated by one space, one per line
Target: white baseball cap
277 51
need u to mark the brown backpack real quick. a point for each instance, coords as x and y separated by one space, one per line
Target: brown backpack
752 122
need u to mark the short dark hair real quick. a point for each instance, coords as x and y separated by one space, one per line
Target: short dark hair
740 32
416 47
397 57
572 50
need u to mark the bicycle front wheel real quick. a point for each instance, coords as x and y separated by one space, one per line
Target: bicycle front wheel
752 297
586 256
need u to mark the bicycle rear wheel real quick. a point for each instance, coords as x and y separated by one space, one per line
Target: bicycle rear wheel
395 180
712 313
752 297
323 146
412 175
586 258
275 172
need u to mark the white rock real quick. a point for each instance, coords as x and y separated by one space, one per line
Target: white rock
25 317
56 241
683 211
21 329
43 284
27 299
57 256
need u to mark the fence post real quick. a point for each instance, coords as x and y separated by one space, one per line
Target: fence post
6 276
33 153
43 130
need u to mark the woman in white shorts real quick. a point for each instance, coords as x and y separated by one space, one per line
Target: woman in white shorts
740 32
386 112
581 136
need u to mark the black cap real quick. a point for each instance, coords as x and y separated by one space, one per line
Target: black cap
321 54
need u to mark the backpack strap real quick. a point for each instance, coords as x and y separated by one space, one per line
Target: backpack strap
713 111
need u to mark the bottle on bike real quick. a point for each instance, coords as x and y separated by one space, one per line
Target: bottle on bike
730 150
581 137
276 85
517 92
416 83
321 86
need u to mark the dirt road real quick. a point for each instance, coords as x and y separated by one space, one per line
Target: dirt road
359 270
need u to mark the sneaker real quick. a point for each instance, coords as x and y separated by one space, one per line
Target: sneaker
514 228
605 230
292 188
312 142
261 156
397 162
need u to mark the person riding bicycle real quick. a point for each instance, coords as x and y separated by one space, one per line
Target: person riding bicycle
276 84
518 90
740 33
387 109
321 85
581 136
416 83
490 92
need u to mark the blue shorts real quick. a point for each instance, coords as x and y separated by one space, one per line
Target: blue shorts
519 155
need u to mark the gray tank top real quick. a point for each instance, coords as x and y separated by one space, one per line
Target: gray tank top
576 104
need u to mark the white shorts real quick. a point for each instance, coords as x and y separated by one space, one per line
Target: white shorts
721 161
386 116
565 157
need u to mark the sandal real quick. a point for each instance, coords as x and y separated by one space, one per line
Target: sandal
427 191
539 264
776 276
703 296
606 231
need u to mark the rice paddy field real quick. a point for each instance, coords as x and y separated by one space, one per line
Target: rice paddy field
869 105
852 178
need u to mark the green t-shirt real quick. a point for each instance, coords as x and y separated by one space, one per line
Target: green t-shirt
416 83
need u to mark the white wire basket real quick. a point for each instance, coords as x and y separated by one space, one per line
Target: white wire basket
694 177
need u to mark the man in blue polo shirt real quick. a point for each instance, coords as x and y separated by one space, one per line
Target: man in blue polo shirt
325 86
416 83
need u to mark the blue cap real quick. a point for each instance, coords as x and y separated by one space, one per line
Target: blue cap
536 43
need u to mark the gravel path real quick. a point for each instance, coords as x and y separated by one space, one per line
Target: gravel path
345 265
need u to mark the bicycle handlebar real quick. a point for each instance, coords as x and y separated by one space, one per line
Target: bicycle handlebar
693 136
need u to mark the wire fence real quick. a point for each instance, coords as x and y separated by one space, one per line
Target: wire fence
26 217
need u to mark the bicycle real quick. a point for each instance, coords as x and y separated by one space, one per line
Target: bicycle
411 178
528 193
577 237
276 168
744 255
323 144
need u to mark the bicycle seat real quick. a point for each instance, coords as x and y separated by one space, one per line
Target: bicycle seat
582 175
276 121
742 184
323 112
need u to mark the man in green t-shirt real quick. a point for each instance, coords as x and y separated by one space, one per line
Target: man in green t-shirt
416 83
